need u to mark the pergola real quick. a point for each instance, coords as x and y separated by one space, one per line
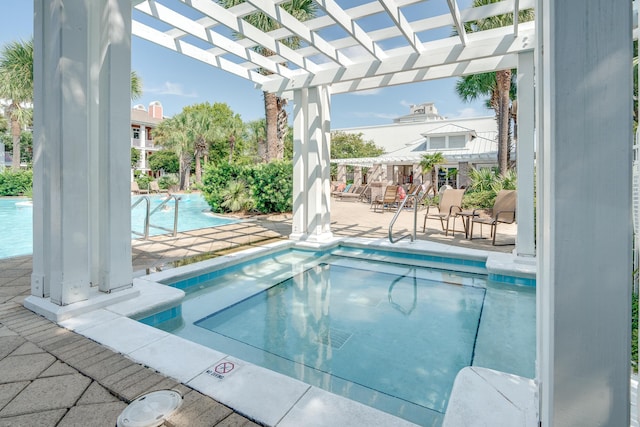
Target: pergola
577 53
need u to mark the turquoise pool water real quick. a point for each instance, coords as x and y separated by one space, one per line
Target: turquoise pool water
17 221
390 335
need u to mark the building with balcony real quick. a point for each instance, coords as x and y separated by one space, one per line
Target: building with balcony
143 121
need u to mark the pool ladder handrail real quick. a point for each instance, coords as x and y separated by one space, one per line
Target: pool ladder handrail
149 212
416 196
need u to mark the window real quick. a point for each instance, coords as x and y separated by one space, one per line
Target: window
447 142
136 133
457 141
437 142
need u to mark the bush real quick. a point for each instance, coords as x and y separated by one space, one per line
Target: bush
16 183
478 199
270 185
143 181
273 187
167 181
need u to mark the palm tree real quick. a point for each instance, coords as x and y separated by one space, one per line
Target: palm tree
274 106
16 85
498 84
430 162
173 134
136 86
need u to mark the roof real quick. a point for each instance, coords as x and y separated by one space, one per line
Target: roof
142 117
395 136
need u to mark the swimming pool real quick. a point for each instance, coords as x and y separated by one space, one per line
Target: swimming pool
16 218
385 328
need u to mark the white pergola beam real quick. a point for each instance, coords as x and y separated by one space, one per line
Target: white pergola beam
457 21
484 65
502 44
300 30
147 33
236 23
402 24
334 11
195 29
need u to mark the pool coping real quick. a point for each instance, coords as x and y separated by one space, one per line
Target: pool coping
266 396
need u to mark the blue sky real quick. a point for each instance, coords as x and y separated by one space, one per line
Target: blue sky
177 81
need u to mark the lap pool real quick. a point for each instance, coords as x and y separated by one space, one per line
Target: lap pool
386 328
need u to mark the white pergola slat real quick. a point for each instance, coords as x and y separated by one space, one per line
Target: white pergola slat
338 47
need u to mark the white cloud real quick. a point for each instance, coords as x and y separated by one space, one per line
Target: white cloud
170 88
406 104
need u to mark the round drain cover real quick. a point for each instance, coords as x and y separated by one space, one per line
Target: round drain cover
151 409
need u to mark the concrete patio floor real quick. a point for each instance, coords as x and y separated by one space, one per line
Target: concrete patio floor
50 376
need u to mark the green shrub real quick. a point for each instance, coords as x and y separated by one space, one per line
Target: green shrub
143 181
214 181
16 183
237 197
270 185
273 187
478 199
167 181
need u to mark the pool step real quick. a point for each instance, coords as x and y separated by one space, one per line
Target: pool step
470 265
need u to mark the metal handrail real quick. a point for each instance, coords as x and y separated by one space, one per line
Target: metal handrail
145 235
173 232
417 199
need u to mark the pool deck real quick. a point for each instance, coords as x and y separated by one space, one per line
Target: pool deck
51 376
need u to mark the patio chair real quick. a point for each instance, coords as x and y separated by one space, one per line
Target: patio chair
503 212
136 190
155 188
353 194
449 206
386 201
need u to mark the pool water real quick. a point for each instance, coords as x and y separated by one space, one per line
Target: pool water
389 335
16 218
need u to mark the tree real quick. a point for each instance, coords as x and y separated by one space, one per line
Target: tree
498 84
136 85
430 162
16 85
164 160
351 145
173 134
274 106
135 157
257 137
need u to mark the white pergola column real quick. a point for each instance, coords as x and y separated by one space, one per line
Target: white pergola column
357 175
82 230
311 165
342 173
584 123
525 242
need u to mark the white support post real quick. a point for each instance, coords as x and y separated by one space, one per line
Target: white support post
311 165
525 242
584 77
112 234
81 152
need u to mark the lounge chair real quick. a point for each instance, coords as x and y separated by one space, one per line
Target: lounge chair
345 189
155 188
386 201
503 212
354 194
136 190
448 207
